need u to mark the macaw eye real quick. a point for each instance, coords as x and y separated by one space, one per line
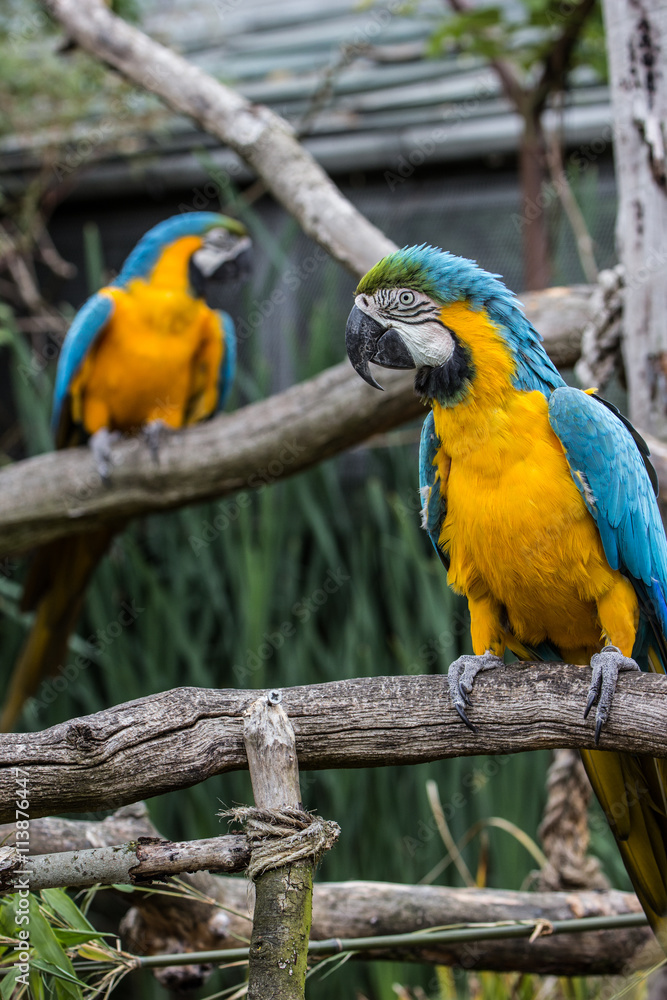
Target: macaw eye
406 298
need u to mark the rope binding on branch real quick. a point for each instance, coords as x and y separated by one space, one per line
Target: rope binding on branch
282 836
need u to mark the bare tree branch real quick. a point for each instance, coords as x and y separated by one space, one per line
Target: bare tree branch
264 140
54 495
144 860
178 738
583 239
557 62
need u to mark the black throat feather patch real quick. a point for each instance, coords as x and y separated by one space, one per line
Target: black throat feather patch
449 383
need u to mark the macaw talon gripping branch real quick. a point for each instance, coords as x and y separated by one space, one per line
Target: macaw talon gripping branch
607 664
461 678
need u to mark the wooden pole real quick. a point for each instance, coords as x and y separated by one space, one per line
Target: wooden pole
284 895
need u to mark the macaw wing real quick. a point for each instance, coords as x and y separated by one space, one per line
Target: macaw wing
608 462
86 327
432 465
228 366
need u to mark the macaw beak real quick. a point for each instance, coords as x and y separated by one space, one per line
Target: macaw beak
367 341
223 257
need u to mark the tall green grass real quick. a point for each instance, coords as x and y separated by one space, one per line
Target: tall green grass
212 604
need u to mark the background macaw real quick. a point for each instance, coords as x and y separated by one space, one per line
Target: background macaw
539 499
145 353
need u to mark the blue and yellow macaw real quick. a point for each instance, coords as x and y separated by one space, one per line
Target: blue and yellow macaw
144 354
539 499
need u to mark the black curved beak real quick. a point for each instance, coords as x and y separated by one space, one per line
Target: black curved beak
367 341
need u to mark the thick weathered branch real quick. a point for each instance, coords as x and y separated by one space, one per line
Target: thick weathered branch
372 908
361 909
178 738
58 494
264 140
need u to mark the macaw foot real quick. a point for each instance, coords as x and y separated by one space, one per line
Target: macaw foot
606 665
155 433
461 677
100 444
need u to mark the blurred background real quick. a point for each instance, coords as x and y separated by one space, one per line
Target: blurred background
402 105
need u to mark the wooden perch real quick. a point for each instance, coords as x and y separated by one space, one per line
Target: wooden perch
157 924
181 737
58 494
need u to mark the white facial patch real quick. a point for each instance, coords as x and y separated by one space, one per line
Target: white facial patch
216 251
417 319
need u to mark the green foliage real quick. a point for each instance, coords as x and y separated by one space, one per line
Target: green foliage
48 948
46 86
522 34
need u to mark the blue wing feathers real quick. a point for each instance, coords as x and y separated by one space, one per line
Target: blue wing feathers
228 366
87 324
433 504
601 446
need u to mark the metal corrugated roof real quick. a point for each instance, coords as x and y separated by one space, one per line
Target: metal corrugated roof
353 77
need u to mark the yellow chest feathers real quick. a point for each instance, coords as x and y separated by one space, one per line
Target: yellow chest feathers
517 527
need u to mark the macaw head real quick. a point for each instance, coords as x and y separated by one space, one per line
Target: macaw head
424 308
210 249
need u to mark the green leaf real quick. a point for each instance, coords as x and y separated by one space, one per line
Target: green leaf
8 983
45 943
69 938
37 988
66 908
56 972
66 991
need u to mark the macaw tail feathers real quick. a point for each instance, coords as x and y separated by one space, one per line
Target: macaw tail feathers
55 589
633 794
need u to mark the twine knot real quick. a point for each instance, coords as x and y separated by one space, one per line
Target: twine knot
282 836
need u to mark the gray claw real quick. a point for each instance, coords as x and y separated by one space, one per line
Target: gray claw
100 445
461 678
606 665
